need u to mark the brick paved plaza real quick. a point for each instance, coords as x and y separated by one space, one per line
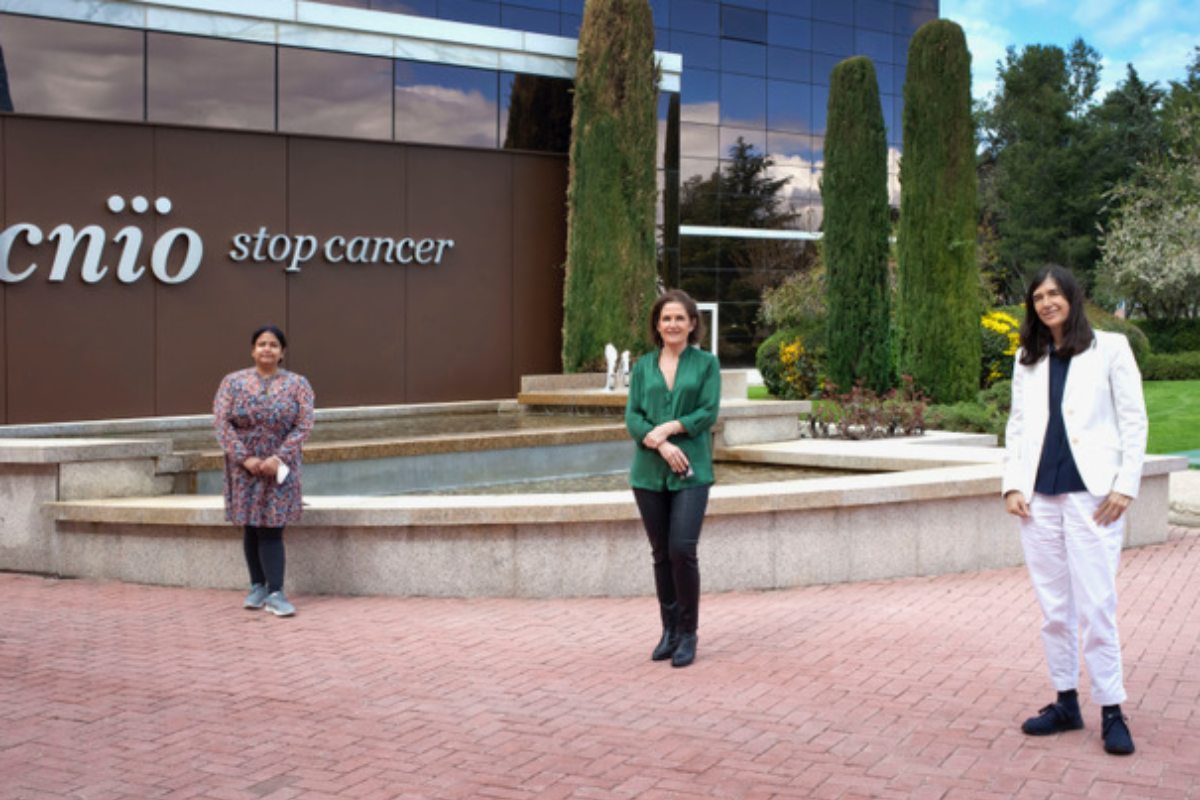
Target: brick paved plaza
907 688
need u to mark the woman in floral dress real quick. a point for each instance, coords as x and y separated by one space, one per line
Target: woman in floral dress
262 416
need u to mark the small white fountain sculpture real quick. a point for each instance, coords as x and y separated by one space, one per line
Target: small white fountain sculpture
610 356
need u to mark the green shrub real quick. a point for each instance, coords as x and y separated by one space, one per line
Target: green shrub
791 369
1172 366
1171 336
987 413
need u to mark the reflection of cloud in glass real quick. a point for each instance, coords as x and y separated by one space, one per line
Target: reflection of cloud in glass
444 115
210 82
72 69
444 104
336 94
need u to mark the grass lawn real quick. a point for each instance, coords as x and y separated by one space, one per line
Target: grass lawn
1174 411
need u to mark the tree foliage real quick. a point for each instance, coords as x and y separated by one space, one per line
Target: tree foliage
857 222
611 254
1151 249
937 303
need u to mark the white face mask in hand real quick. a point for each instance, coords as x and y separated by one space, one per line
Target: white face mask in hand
282 473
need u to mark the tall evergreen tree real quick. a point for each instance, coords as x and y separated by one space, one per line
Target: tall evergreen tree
855 197
610 280
938 300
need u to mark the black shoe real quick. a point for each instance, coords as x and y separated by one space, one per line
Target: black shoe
685 652
670 635
1055 718
1117 738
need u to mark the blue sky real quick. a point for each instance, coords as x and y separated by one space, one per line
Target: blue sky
1157 36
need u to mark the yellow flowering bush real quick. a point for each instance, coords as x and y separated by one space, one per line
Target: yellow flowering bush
1001 338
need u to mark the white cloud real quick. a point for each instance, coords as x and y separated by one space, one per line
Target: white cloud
987 38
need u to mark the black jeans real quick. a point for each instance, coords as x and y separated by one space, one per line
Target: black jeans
673 521
264 556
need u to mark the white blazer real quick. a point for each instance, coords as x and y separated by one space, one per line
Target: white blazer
1103 411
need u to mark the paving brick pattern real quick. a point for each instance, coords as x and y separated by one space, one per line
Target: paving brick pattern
907 688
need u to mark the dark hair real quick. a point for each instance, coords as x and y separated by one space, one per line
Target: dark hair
689 305
271 329
1077 331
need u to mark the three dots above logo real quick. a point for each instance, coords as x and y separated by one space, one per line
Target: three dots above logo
139 205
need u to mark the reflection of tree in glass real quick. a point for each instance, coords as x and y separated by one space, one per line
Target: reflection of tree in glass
6 103
539 114
740 195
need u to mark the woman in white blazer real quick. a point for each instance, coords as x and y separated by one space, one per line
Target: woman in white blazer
1075 443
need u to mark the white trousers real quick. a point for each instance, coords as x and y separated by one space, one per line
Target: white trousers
1073 562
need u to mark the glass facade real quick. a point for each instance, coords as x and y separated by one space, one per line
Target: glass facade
749 120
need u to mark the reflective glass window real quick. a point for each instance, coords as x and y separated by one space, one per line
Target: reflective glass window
660 9
907 19
695 16
699 252
569 24
820 108
789 106
574 6
818 151
443 104
338 94
743 57
837 40
476 12
197 81
874 14
697 51
697 169
73 70
795 8
790 149
535 112
698 141
417 8
874 45
789 65
349 3
755 137
839 11
896 133
823 67
890 120
900 48
529 19
885 75
743 101
743 23
545 5
701 285
699 97
758 5
791 32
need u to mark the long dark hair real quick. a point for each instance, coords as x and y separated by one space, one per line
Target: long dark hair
689 305
1077 331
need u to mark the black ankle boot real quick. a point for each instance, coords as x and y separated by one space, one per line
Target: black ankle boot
670 634
685 652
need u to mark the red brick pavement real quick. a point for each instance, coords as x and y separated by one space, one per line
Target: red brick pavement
907 688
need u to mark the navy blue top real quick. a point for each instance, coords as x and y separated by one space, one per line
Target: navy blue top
1057 473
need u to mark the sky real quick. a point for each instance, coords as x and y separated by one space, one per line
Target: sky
1156 36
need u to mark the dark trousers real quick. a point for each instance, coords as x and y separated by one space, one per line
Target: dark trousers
264 556
673 521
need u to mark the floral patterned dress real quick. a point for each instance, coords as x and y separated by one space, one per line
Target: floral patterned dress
263 417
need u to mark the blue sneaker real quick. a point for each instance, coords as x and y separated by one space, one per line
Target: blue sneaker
257 597
278 605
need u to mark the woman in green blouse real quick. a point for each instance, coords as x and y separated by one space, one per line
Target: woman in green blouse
674 396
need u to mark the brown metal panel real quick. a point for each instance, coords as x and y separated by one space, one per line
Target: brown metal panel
459 313
539 253
77 350
347 319
220 184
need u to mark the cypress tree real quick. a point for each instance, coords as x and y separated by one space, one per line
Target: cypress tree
854 193
611 253
938 300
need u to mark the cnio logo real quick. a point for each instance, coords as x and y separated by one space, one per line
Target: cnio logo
92 238
178 252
